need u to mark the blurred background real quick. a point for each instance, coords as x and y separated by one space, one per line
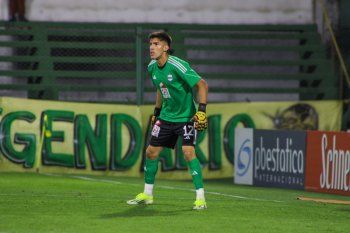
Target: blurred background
97 51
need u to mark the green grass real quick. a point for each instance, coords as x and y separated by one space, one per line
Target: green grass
66 203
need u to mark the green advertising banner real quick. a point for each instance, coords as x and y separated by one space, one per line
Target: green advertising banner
82 138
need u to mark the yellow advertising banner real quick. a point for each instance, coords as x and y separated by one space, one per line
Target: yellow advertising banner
83 138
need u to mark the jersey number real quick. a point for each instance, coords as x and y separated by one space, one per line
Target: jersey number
190 127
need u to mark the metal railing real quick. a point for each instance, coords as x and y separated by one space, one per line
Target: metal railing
326 29
104 62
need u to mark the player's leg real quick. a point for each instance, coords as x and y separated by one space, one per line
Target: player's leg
21 10
189 135
162 136
150 168
195 170
12 10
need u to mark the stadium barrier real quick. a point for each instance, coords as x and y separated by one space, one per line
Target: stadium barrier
67 137
270 158
328 162
317 161
107 62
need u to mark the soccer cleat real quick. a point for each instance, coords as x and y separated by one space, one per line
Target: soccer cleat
199 204
140 199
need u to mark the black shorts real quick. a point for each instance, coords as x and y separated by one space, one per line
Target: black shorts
165 134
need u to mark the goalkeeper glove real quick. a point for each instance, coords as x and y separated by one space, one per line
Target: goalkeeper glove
155 116
200 118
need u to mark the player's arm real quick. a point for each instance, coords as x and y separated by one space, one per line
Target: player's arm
157 108
200 118
202 91
159 100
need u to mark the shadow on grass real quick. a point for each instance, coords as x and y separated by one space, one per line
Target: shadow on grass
345 209
219 181
144 211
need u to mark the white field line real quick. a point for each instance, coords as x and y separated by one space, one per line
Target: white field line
29 195
163 187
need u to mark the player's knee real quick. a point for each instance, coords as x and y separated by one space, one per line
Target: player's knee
152 153
189 153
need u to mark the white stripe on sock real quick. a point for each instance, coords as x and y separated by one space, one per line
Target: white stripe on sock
148 189
200 194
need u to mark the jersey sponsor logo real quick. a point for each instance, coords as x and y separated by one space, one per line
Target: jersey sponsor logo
154 77
170 77
165 91
155 131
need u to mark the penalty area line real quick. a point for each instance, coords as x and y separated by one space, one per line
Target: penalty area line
163 187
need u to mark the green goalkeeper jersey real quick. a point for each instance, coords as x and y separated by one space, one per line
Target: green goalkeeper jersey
175 81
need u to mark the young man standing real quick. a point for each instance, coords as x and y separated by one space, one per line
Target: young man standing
174 115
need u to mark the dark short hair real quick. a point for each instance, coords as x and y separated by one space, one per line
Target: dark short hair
161 35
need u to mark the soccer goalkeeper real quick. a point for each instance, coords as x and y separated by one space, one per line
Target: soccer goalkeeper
174 115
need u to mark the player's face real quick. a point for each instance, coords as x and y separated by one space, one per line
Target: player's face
157 48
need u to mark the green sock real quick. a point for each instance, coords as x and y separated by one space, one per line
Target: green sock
151 168
196 173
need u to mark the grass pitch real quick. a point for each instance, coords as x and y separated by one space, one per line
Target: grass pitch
70 203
